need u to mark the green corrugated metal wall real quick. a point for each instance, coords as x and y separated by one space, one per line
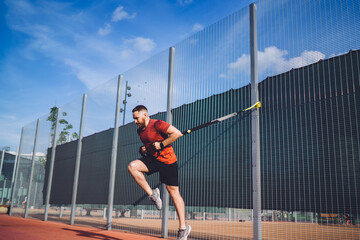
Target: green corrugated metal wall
309 125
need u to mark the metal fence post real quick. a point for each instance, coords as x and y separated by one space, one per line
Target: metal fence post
32 169
51 169
165 194
2 161
15 164
77 162
16 169
255 125
1 165
114 156
3 192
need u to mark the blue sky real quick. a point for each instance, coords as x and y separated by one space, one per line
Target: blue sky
54 51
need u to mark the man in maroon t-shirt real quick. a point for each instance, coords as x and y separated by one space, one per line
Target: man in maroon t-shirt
157 137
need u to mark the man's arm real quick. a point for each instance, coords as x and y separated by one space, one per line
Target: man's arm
173 134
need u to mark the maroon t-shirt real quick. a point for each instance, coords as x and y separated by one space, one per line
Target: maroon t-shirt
156 132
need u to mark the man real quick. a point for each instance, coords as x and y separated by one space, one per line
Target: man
157 137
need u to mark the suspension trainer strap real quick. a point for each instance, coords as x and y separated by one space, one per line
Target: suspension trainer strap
253 107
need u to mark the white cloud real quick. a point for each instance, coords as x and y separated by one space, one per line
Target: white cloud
185 2
273 61
306 58
222 76
120 14
143 44
91 59
338 54
197 27
8 117
242 64
22 6
89 76
126 53
109 57
105 30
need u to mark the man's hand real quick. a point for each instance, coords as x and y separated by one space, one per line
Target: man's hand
142 151
157 146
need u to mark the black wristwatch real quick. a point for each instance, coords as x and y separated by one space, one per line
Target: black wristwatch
162 146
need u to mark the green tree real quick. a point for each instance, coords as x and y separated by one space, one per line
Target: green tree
64 124
42 160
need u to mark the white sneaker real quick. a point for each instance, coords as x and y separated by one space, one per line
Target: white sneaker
155 197
183 233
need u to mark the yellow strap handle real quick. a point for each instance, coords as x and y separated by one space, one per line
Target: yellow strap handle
256 105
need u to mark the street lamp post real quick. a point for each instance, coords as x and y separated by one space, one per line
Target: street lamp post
125 102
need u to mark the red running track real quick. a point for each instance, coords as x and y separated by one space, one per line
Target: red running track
16 228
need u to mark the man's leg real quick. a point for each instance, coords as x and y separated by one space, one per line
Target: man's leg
137 168
179 204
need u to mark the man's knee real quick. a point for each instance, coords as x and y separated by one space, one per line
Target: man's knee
173 190
132 167
137 166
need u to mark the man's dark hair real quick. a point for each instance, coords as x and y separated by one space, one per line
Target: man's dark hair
139 108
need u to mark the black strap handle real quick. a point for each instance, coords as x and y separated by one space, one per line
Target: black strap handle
157 152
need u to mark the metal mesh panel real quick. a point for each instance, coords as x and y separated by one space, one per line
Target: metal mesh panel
63 174
308 119
100 108
36 206
93 183
23 171
148 82
215 162
6 176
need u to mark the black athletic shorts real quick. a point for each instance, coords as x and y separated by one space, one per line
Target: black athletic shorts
168 172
